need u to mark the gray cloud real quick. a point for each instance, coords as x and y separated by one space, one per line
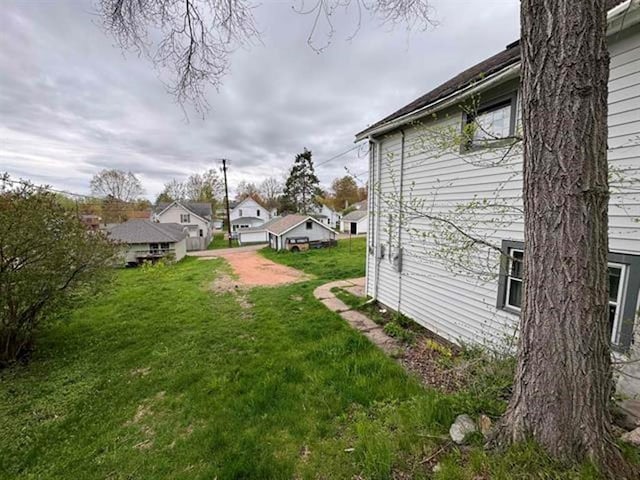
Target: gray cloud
71 103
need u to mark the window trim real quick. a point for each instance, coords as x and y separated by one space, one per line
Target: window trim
630 286
309 225
510 98
183 216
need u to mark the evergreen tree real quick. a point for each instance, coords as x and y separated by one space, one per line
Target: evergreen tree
301 190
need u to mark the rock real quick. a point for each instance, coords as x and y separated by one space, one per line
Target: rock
484 425
627 414
632 437
462 427
436 468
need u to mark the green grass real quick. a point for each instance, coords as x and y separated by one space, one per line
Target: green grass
218 241
344 261
159 378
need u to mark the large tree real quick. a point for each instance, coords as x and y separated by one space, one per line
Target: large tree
247 189
271 192
563 382
344 192
116 184
301 190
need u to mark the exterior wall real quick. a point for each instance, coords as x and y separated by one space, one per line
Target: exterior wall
361 227
179 249
458 306
332 218
245 238
250 208
172 215
317 232
251 222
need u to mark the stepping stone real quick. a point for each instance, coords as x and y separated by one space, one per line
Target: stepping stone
334 304
359 321
323 291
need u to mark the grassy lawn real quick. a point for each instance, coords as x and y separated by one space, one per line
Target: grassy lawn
218 241
161 378
344 261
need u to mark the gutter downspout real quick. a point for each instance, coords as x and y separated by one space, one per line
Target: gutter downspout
376 239
400 217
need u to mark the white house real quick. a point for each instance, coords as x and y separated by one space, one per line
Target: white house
406 270
280 229
195 216
328 216
148 240
356 222
248 213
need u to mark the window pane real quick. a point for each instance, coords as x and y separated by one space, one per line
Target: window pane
612 316
614 283
516 264
515 293
493 124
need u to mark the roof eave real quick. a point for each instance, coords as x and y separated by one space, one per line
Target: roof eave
508 73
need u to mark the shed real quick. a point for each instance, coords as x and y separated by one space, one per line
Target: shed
148 240
295 225
356 222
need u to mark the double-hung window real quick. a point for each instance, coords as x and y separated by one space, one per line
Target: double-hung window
624 283
185 218
491 123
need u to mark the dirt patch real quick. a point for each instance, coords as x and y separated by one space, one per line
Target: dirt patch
253 270
224 284
430 365
140 372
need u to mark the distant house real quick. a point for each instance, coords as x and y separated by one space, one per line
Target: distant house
356 222
278 230
249 213
195 216
328 216
148 240
91 222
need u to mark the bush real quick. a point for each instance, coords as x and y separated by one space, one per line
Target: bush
394 330
46 254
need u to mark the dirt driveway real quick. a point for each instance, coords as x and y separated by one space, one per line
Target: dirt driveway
253 270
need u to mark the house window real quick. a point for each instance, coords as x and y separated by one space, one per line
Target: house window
164 247
309 225
240 212
491 123
201 233
513 297
624 283
185 218
257 212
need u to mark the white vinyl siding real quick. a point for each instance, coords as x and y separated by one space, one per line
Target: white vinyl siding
460 307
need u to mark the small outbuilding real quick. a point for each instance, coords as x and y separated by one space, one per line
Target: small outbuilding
356 222
280 229
148 240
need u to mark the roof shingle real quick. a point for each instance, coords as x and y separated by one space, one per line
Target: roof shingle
145 231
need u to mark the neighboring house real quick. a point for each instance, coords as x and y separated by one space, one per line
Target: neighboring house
401 273
91 222
295 225
148 240
248 213
328 216
356 222
195 216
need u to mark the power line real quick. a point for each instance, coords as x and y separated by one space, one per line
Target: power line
338 155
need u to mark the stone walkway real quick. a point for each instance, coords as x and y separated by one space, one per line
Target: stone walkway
357 320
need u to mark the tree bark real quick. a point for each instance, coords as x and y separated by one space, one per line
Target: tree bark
563 381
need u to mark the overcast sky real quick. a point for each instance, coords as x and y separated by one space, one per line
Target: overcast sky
72 103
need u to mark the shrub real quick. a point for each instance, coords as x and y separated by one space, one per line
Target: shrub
394 330
45 255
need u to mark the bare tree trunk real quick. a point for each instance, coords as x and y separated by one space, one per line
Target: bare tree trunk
563 382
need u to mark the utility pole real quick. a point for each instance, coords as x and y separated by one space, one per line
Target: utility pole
226 199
